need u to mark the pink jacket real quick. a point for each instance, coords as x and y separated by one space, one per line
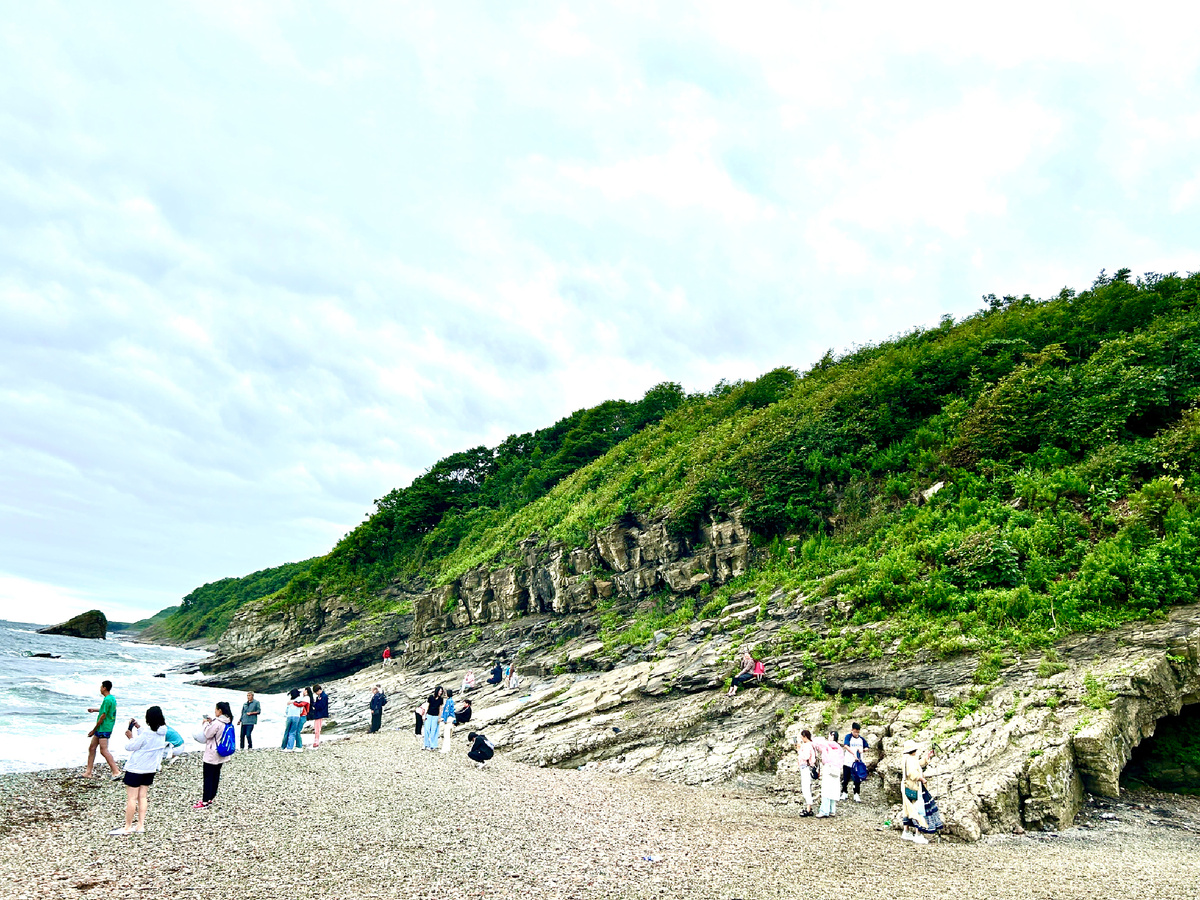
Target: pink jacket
831 752
209 735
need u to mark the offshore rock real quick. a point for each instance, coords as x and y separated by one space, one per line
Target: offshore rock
91 624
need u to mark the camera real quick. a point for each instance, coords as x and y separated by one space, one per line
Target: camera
132 724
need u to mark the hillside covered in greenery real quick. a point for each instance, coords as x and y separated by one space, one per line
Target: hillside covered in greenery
205 612
1065 434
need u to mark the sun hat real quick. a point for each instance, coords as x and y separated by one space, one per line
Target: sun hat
911 746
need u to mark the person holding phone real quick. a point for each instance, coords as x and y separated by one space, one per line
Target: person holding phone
209 735
145 751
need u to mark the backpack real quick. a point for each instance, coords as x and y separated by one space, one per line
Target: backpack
228 742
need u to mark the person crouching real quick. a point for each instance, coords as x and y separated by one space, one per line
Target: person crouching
481 748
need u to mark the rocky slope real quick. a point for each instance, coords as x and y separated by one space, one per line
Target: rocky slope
273 646
1020 752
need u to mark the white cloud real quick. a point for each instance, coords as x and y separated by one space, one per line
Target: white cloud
260 265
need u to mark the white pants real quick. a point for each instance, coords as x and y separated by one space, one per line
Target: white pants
447 732
806 785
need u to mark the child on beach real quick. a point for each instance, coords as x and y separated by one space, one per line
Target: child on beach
145 751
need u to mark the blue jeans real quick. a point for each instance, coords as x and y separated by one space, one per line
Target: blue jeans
430 734
291 732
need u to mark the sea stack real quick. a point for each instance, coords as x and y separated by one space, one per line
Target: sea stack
91 624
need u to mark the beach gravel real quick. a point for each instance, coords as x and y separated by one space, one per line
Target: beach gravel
375 816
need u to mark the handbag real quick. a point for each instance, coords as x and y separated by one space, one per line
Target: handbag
860 770
815 773
911 794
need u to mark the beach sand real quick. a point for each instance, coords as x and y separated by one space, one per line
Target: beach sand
374 816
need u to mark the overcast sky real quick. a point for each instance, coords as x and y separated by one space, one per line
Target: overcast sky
259 264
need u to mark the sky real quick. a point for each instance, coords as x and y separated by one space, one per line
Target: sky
260 263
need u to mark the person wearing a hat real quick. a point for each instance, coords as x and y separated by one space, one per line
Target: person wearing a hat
912 780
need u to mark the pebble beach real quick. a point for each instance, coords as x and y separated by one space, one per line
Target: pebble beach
375 816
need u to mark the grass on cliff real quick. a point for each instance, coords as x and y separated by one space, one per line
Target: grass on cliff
1065 432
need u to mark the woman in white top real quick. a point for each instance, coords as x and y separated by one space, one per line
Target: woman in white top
912 779
145 751
808 761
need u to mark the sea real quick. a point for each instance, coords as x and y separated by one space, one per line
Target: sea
44 718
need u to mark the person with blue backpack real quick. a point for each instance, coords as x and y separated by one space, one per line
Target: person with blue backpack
854 767
219 740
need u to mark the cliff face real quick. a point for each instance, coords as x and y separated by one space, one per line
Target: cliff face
91 624
1019 752
268 648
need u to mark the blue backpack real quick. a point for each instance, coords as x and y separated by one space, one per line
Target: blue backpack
228 742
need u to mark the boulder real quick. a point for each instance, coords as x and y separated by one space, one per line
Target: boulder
91 624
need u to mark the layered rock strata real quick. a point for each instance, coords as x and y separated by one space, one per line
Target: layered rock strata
271 646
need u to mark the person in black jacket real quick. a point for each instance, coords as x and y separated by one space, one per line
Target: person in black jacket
318 712
481 748
378 702
497 674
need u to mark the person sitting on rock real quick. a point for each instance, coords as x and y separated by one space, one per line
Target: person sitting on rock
745 675
497 674
468 683
481 748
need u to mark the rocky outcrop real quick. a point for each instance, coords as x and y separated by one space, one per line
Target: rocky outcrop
267 649
1020 752
91 624
267 646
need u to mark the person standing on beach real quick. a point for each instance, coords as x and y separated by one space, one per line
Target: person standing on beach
855 744
210 736
319 712
378 702
102 731
808 764
433 709
292 723
249 718
145 753
387 656
447 721
831 769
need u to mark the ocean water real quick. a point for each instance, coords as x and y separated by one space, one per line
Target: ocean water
44 718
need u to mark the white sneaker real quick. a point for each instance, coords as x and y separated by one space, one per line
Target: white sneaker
843 797
857 799
919 839
905 836
120 831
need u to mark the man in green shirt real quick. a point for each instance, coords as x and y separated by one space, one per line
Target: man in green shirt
105 722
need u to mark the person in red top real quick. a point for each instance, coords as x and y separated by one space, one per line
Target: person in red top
387 656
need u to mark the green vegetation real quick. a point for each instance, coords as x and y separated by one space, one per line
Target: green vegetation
1095 694
1065 434
142 624
206 611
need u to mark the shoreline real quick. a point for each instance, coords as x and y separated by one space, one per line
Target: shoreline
374 816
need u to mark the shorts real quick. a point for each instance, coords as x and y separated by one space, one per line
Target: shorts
103 735
139 779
